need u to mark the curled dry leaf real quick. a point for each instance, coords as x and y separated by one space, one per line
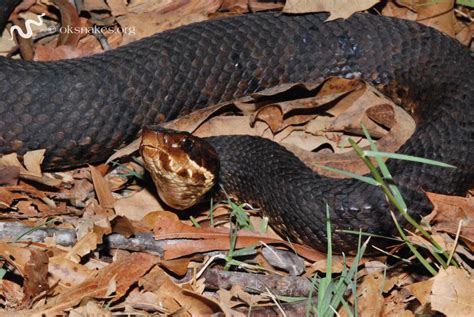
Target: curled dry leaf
447 213
7 198
242 6
337 8
273 114
90 308
66 46
421 290
465 34
32 265
32 167
353 102
145 18
124 273
370 299
452 292
102 189
83 246
176 298
234 298
12 293
136 206
94 5
192 240
437 14
9 175
66 272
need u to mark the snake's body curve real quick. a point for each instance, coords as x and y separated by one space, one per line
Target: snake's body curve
80 110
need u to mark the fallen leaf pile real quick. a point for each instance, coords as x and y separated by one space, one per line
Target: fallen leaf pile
97 240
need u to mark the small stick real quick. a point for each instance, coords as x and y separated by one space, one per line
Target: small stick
294 286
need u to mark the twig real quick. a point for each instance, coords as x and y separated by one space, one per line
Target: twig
294 286
9 231
290 309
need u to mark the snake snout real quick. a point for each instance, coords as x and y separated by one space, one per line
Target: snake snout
183 167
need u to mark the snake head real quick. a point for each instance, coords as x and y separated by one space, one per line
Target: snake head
183 167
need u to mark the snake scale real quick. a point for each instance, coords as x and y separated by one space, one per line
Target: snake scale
80 110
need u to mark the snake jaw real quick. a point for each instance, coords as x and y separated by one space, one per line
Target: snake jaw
183 167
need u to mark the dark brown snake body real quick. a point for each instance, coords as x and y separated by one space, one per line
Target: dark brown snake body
80 110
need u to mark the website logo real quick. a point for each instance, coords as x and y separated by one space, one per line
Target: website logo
29 31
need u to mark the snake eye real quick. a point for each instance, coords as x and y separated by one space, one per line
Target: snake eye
187 144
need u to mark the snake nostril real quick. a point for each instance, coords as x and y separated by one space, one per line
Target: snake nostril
187 144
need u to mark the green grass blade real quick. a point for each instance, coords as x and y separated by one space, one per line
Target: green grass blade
405 157
28 231
467 3
364 179
309 304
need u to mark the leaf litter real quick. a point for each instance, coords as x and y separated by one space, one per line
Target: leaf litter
79 255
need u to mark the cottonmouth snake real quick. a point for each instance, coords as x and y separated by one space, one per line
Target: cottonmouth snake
80 110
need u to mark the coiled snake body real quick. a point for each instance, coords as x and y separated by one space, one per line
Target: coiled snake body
80 110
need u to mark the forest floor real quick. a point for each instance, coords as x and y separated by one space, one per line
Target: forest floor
97 240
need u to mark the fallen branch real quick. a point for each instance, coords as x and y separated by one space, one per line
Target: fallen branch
295 286
10 231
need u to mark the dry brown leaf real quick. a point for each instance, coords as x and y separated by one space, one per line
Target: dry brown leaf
271 115
338 264
12 293
123 226
437 14
148 301
235 5
9 175
168 226
66 45
136 206
90 308
32 264
357 102
243 6
366 106
124 272
189 302
421 290
95 5
274 113
465 34
370 295
35 275
118 178
118 7
396 303
147 18
69 19
83 246
398 279
102 189
66 272
226 125
34 159
392 9
125 151
49 53
337 8
177 266
7 197
448 211
452 292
